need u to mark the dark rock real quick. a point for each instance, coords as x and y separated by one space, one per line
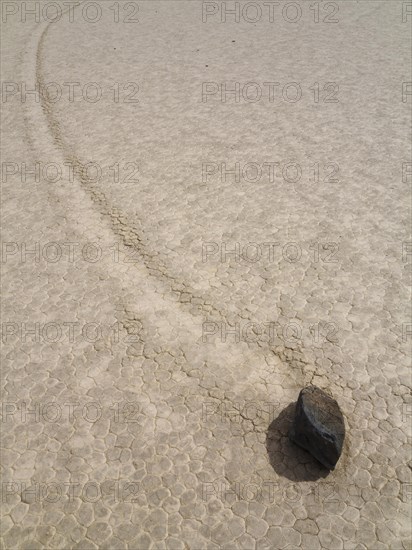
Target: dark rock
318 426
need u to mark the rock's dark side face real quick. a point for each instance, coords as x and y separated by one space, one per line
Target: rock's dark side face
318 426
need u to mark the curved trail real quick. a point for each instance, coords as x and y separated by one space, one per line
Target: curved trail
177 301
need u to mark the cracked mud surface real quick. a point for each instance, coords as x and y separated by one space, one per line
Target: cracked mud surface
154 436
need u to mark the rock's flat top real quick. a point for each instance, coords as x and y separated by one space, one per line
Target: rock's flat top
322 408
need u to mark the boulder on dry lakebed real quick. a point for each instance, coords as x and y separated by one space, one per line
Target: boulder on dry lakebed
318 426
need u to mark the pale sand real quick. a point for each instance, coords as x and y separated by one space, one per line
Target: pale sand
185 431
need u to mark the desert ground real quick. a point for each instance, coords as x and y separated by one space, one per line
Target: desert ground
205 208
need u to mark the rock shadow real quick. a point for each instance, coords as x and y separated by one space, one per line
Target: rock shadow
286 458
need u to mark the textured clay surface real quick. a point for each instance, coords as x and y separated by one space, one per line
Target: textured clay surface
152 341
